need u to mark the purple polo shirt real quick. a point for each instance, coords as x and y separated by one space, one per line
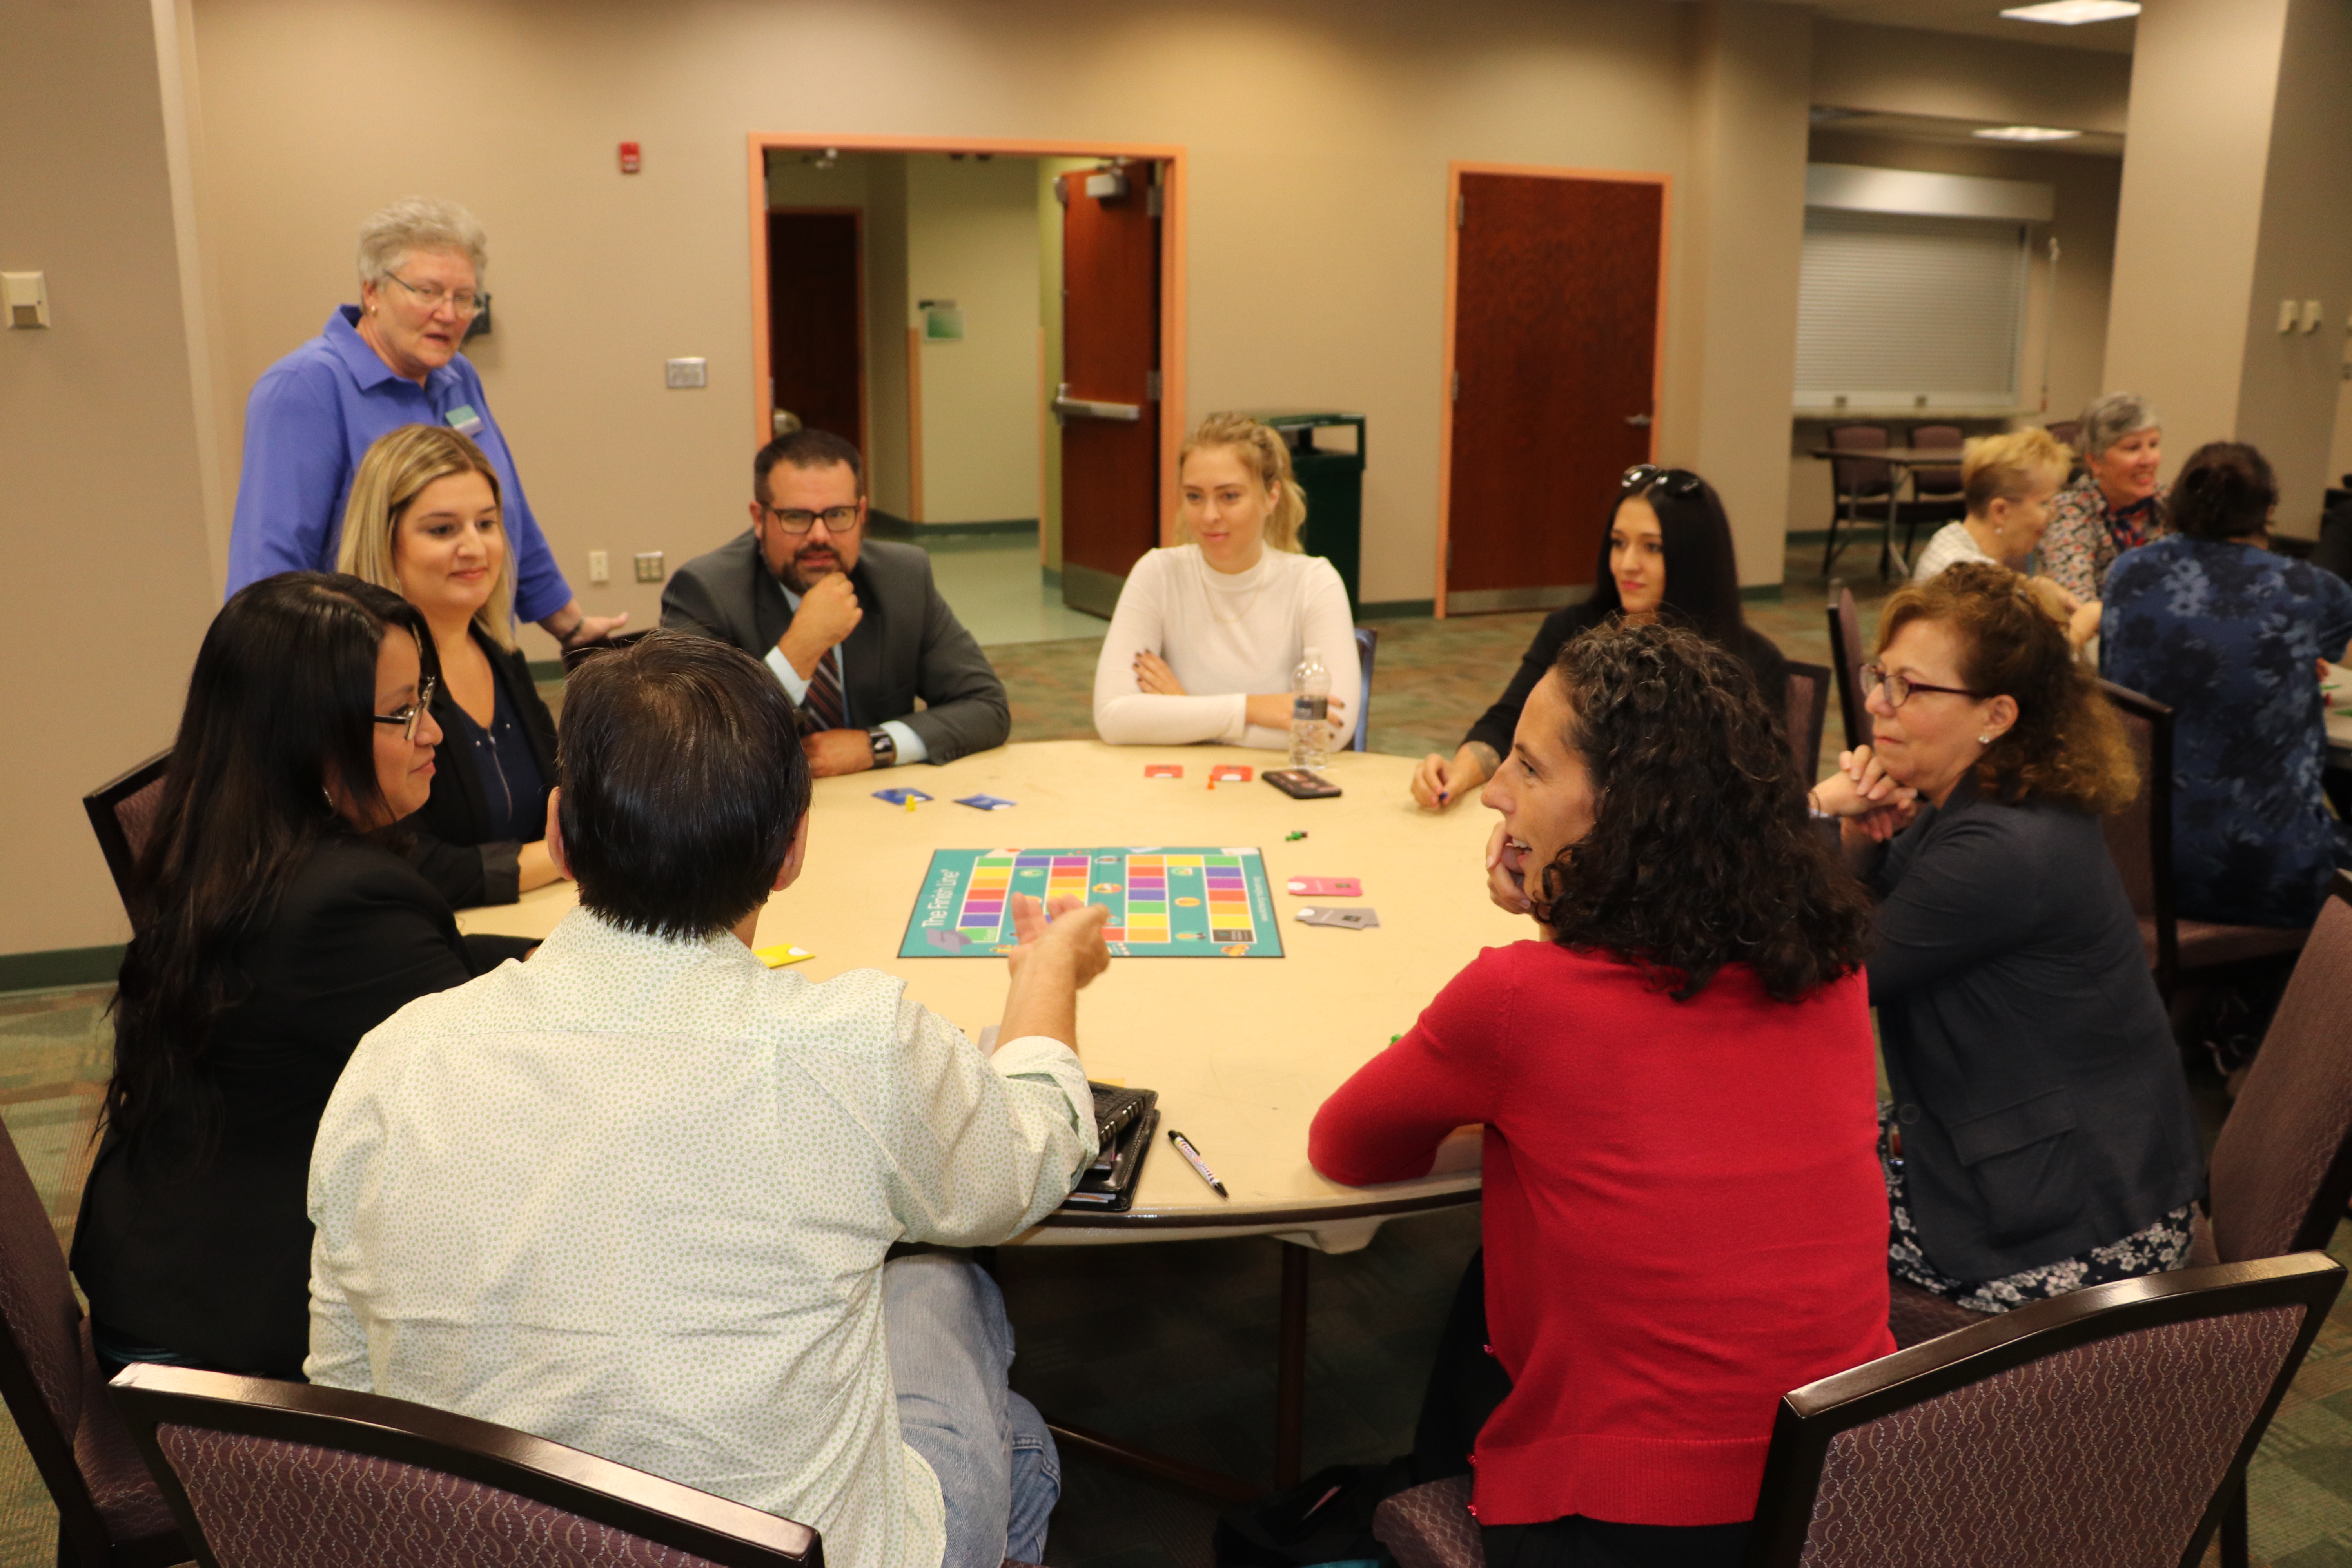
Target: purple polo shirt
311 418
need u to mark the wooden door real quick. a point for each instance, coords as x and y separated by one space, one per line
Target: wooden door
1555 339
816 320
1109 399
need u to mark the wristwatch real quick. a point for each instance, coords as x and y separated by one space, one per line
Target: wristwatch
885 749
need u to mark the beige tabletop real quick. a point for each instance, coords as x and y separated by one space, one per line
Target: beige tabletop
1242 1050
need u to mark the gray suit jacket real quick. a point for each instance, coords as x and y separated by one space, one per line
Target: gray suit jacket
909 644
2039 1092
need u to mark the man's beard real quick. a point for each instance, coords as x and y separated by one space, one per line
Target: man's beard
801 579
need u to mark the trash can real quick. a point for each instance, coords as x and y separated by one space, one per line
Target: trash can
1334 483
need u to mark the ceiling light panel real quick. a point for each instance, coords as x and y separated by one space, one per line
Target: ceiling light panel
2025 134
2073 13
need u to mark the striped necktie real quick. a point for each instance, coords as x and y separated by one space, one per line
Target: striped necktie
823 699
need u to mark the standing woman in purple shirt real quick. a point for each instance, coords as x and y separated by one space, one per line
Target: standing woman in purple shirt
389 361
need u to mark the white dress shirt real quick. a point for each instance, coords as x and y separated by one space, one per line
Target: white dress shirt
634 1197
1950 545
796 685
1226 636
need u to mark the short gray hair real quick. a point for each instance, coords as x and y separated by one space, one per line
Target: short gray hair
420 222
2109 419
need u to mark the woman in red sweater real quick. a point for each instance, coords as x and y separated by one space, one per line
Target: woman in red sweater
1685 1217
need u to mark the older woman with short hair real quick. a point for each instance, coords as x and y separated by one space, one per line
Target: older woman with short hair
2040 1139
390 360
2114 505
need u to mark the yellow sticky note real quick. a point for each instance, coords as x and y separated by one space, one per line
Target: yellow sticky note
784 953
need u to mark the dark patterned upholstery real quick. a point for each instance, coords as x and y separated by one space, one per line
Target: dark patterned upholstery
263 1504
136 814
1846 658
2293 1114
1430 1526
2101 1456
1808 699
1915 1316
128 1501
1944 479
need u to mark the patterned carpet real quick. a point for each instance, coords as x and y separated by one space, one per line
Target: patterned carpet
1172 1344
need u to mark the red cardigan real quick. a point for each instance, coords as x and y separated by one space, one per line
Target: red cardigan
1684 1217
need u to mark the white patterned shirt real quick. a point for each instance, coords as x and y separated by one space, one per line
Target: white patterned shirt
1951 544
634 1197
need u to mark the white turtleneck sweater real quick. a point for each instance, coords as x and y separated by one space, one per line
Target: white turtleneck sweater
1227 637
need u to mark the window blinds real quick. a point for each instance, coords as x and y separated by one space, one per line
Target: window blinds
1893 308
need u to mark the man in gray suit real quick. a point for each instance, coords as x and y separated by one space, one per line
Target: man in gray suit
853 628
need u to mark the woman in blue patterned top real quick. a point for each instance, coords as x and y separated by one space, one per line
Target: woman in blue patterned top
2208 621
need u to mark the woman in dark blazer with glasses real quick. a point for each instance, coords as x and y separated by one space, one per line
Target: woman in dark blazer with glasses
1667 552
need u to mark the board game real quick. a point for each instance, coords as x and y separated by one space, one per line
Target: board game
1163 902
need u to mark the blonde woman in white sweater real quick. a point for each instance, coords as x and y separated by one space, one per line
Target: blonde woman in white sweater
1206 635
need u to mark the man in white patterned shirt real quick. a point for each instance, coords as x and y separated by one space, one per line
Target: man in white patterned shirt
636 1196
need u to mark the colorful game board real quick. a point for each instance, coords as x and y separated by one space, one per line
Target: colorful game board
1163 902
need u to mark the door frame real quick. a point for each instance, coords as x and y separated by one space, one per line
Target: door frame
1173 424
1454 173
857 225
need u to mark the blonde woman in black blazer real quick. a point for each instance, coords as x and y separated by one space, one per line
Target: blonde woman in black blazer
424 522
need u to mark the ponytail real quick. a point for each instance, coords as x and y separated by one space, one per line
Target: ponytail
1266 455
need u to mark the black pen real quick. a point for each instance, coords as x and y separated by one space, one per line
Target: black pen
1192 1158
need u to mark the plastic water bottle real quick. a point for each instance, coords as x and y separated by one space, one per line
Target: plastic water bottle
1310 713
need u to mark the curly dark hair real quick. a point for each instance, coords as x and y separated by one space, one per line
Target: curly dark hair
1700 853
2067 745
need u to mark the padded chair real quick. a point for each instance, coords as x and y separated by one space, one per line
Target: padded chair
1936 494
1853 480
2139 839
572 655
110 1513
1368 643
1846 658
285 1475
122 813
1808 705
2068 432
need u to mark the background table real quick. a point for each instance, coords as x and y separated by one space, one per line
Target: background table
1901 461
1242 1050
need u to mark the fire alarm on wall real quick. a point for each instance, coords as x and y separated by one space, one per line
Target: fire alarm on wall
631 160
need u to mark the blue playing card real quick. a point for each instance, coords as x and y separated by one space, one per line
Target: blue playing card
900 795
985 802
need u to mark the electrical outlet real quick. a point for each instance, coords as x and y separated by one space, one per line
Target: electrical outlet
600 566
649 566
689 372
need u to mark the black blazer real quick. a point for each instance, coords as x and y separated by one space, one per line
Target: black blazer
212 1260
1494 726
450 839
2036 1083
908 644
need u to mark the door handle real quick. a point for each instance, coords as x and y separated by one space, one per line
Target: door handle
1067 407
1639 421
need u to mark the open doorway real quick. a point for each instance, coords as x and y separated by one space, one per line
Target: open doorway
998 328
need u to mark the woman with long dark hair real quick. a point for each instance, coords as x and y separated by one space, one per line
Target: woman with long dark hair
273 930
1666 553
1684 1214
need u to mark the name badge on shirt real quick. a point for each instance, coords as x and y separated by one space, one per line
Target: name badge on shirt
464 420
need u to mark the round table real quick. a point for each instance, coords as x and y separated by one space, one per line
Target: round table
1241 1051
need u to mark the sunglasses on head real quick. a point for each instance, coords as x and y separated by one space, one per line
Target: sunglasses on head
1676 482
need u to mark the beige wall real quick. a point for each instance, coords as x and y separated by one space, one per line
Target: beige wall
1905 70
2084 223
110 571
972 236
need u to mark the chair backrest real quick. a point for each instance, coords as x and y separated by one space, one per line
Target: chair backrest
122 813
300 1477
1942 479
1859 475
2283 1165
1809 706
2139 837
572 655
42 1361
1845 664
2067 431
1368 643
2334 551
2104 1427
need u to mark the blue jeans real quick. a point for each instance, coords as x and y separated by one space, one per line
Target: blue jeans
951 1349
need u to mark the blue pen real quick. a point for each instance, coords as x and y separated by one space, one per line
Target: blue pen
1192 1158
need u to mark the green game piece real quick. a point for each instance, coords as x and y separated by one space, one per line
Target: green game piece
1293 838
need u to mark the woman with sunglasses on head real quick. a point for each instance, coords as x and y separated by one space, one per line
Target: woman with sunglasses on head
390 360
2040 1138
273 929
1666 553
425 521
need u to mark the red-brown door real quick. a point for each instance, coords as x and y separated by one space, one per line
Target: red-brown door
1109 399
816 320
1555 361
